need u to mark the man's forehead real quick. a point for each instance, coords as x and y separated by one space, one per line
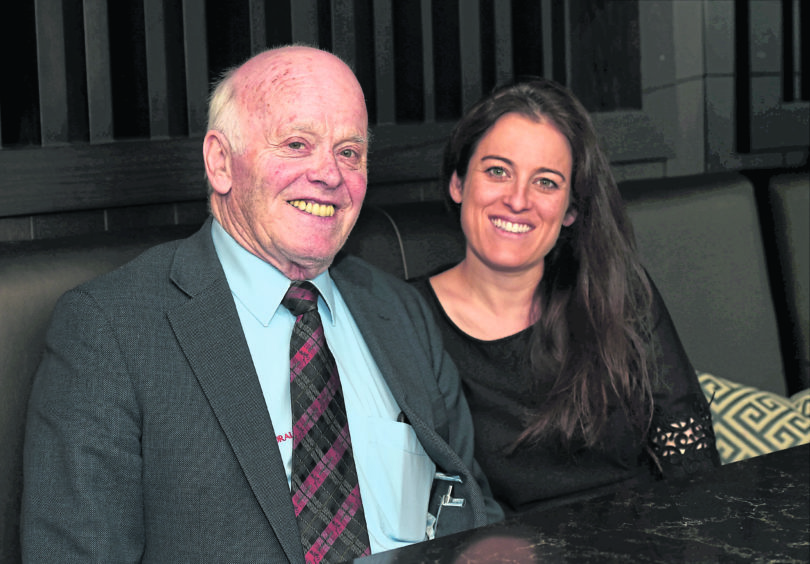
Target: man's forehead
296 72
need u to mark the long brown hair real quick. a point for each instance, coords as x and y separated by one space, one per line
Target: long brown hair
593 334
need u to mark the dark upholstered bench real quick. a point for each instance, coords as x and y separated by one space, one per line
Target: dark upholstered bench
699 237
701 241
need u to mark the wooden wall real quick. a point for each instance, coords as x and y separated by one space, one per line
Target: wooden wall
103 102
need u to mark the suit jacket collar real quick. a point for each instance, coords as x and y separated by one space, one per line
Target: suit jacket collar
208 330
370 305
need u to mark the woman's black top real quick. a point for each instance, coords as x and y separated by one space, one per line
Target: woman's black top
501 391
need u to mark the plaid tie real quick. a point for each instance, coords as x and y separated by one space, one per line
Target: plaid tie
325 491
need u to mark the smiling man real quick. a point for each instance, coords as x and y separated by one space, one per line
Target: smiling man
188 407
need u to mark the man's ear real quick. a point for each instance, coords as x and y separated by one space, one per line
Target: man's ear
217 157
455 188
570 217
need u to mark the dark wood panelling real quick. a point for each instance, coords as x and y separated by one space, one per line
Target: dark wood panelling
384 62
127 84
470 51
304 15
196 59
344 23
156 68
99 87
52 70
99 176
605 53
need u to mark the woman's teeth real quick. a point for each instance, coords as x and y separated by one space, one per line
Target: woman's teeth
509 226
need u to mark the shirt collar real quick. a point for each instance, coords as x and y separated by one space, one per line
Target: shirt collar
260 286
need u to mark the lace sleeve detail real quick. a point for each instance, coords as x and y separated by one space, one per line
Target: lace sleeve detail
683 444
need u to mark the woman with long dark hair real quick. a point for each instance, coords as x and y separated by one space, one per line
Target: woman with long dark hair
573 369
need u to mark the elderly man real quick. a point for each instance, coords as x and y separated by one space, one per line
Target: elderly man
188 407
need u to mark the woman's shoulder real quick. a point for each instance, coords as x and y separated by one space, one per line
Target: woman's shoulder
423 282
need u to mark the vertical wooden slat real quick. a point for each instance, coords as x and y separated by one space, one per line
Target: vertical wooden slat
803 49
258 32
51 71
797 49
196 57
384 61
343 26
427 61
470 47
99 82
156 77
503 41
547 26
788 53
304 16
566 54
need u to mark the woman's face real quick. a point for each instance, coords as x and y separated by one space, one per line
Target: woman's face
516 195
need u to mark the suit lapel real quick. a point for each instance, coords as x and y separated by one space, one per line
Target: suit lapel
391 349
208 330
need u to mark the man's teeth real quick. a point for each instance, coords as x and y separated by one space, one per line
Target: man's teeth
511 227
321 210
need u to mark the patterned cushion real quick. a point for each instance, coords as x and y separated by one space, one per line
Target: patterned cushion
801 401
749 422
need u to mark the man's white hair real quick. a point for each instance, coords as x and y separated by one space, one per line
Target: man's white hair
224 111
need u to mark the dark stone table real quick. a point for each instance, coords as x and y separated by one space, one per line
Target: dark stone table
757 510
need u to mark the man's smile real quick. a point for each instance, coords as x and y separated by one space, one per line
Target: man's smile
314 208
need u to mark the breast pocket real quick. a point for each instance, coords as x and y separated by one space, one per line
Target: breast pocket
401 479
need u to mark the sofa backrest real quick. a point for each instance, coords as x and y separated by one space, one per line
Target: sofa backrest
407 240
33 274
700 239
789 203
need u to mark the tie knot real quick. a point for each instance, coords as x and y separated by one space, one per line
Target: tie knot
301 297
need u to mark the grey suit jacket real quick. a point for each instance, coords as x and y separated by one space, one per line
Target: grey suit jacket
148 437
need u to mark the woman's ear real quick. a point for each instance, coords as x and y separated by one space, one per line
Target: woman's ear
217 157
570 217
455 188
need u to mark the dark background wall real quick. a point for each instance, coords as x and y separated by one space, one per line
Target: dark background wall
103 102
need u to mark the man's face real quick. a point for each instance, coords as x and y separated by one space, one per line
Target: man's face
297 188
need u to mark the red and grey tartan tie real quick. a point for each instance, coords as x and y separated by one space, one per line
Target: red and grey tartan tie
325 491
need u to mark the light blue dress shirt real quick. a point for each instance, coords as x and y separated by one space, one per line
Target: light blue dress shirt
394 472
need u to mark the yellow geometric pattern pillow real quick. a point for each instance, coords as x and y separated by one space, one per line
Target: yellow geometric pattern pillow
801 401
748 422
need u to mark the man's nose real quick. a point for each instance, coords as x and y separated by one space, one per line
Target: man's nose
325 170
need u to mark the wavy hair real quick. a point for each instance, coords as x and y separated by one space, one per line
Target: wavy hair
592 337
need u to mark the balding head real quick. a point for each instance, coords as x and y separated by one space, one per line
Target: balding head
252 87
286 157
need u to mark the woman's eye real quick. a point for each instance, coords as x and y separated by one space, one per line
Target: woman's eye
547 183
496 171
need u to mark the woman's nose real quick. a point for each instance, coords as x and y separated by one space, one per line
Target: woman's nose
516 196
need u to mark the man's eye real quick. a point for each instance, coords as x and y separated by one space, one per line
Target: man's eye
348 153
295 145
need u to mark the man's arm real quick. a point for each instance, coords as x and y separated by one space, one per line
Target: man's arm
82 496
461 436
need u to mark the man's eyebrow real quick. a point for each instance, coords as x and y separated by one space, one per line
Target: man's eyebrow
357 139
312 128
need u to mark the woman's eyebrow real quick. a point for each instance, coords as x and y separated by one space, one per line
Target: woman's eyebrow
510 163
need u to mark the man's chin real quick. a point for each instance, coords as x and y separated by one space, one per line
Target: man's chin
305 267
